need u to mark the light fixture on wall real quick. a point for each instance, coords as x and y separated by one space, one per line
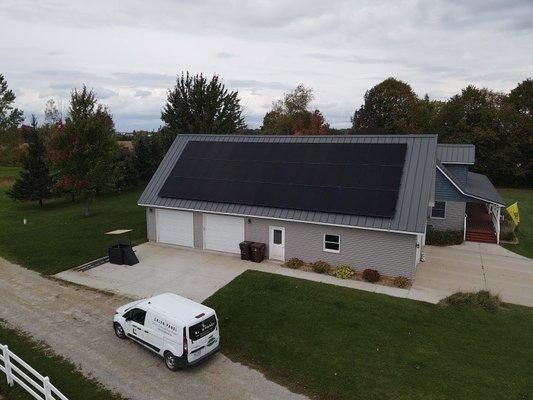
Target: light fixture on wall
249 220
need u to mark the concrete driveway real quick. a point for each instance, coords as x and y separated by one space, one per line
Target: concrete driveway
188 272
197 274
477 266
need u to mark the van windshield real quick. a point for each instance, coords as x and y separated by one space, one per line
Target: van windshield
199 330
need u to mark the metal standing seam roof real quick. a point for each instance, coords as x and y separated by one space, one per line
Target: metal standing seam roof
413 197
478 186
456 153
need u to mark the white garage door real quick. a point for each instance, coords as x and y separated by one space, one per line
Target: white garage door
175 227
223 233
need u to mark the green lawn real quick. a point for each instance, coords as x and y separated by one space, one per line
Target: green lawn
59 236
524 231
62 373
9 172
341 343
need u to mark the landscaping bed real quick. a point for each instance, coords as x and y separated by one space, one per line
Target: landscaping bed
349 272
444 238
339 343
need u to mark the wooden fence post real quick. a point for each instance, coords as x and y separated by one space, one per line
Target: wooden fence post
7 365
47 390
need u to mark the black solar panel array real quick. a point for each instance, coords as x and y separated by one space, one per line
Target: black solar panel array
344 178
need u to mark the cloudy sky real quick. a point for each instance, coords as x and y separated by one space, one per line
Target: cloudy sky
129 52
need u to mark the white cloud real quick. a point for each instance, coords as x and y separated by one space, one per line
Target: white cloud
129 52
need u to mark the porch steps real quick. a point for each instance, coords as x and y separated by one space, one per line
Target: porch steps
480 236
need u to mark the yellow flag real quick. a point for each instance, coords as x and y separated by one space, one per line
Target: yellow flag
513 212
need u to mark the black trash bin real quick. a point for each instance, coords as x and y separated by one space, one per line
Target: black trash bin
122 254
246 250
258 252
128 255
116 256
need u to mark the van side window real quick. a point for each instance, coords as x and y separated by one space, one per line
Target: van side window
136 315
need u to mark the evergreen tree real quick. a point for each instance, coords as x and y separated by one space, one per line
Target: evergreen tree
147 154
34 181
10 117
198 105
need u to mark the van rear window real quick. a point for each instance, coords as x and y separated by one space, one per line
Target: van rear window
199 330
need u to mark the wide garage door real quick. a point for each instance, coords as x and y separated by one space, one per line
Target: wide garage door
175 227
223 233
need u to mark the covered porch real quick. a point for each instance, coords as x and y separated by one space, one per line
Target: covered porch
482 223
483 212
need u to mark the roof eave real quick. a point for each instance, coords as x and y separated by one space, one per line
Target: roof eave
464 192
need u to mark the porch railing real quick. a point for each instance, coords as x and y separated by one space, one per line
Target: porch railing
495 215
18 371
464 228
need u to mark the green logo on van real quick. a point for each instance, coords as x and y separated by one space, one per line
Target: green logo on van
211 341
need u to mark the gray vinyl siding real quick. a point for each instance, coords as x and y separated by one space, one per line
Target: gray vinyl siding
446 191
392 254
460 171
198 229
150 225
454 220
413 198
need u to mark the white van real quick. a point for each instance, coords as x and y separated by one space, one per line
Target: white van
180 330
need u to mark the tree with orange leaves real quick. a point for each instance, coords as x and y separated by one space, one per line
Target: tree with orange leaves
291 116
84 149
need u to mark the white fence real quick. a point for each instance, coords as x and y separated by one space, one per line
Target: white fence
17 371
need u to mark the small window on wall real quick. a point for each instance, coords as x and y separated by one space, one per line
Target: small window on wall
277 236
439 210
332 243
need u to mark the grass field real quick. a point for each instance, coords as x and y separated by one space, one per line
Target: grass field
342 343
62 373
59 236
524 231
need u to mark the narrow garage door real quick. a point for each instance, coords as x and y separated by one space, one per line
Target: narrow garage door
223 233
175 227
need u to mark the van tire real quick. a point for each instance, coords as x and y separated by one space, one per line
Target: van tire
171 361
119 330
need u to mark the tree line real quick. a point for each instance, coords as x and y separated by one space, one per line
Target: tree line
80 155
500 125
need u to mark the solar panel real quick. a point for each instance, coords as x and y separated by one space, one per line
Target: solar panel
345 178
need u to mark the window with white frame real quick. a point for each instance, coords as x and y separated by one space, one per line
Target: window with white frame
332 243
439 210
